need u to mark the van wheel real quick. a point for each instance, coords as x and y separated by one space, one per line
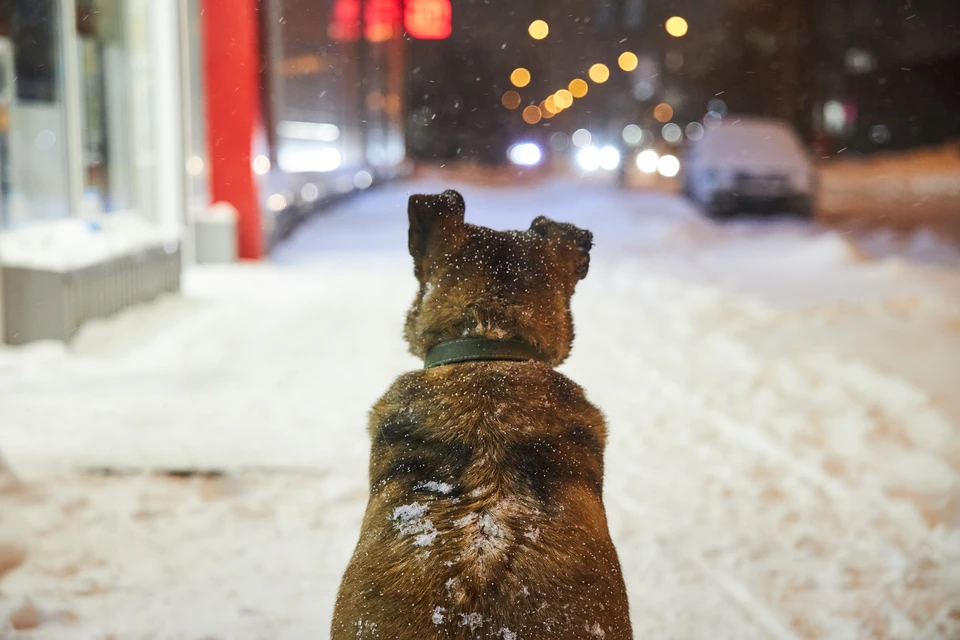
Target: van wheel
803 208
721 207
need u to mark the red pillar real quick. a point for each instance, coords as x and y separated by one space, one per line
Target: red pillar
231 79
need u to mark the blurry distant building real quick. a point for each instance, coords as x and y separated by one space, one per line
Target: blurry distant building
862 75
885 75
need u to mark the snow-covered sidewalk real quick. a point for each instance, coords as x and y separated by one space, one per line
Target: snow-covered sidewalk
904 190
785 431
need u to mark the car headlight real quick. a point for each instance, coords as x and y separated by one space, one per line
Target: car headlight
589 158
525 154
669 166
609 158
647 161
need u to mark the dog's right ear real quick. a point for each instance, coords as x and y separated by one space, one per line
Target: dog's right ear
435 222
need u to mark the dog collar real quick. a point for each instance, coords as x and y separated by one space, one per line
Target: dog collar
480 349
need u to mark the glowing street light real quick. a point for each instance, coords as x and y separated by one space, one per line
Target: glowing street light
578 88
563 99
676 26
532 115
628 61
663 112
599 73
538 29
520 77
550 106
511 99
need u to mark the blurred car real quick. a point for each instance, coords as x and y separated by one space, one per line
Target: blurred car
750 165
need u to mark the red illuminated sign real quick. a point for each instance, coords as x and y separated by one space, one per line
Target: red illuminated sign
379 19
345 22
423 19
428 19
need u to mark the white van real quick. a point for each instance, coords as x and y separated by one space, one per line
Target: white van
751 165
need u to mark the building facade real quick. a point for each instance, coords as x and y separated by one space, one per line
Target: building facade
139 135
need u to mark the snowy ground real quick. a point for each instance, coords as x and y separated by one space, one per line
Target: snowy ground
785 429
903 190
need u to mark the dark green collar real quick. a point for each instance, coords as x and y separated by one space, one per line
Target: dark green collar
480 349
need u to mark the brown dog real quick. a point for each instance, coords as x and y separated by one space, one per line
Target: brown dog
485 517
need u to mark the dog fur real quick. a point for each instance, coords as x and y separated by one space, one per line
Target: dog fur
485 517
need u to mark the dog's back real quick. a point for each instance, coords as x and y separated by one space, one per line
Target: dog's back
485 517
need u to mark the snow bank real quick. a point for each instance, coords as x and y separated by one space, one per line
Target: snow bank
63 245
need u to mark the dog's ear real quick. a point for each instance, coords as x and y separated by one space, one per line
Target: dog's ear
435 220
578 241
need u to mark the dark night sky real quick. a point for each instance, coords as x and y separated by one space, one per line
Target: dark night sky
933 32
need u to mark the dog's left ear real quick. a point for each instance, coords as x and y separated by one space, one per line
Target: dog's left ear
578 241
435 221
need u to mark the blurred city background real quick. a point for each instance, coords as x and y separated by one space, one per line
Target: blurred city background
203 281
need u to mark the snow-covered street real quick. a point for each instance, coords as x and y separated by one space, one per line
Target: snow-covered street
784 456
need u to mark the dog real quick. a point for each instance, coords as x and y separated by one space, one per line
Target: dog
485 517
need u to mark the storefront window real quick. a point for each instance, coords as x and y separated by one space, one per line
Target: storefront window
78 121
34 176
6 100
314 74
104 124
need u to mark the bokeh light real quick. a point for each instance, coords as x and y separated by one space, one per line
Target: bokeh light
581 138
511 99
526 154
712 120
672 133
559 141
563 99
532 114
538 29
194 165
632 134
520 77
261 165
663 112
550 106
276 202
628 61
578 87
599 73
880 134
694 131
718 106
643 90
589 158
609 158
669 166
647 161
676 26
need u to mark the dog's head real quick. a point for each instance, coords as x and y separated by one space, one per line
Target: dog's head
504 285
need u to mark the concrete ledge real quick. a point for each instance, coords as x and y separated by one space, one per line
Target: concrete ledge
41 304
